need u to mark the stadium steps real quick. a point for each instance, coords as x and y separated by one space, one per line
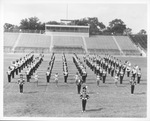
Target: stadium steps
16 43
85 46
118 45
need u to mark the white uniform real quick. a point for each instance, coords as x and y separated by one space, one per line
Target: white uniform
116 79
56 78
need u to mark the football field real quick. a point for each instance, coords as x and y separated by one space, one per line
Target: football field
42 99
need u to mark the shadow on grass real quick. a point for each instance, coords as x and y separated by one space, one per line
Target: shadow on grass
93 110
31 92
141 93
142 84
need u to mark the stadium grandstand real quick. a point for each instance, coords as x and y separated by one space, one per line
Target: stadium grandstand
102 45
9 41
73 38
126 45
68 44
140 40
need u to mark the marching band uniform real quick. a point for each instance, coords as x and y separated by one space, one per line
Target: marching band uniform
116 79
120 65
98 79
112 71
84 75
56 79
104 76
48 76
121 76
9 74
139 76
36 77
101 73
13 71
28 75
109 68
78 83
65 76
21 82
106 67
133 83
84 96
133 73
128 69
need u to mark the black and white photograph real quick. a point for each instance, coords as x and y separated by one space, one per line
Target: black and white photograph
74 59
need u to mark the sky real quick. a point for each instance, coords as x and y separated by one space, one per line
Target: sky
134 15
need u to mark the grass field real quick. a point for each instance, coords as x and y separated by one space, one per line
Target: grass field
46 100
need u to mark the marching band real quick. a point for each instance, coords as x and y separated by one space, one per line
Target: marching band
101 67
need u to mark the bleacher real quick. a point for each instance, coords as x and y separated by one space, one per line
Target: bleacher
140 40
126 45
35 42
99 44
9 41
102 45
68 44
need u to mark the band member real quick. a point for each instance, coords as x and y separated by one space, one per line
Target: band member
133 73
76 77
121 76
109 68
139 76
84 75
65 76
48 75
12 68
84 96
36 77
116 79
104 75
101 73
78 83
112 71
9 74
98 79
133 83
56 79
28 75
128 69
21 82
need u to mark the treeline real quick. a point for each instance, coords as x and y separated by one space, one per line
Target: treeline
115 27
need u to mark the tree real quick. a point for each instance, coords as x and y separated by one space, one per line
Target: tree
142 32
107 31
24 24
117 26
128 31
41 26
31 23
53 23
8 26
96 27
